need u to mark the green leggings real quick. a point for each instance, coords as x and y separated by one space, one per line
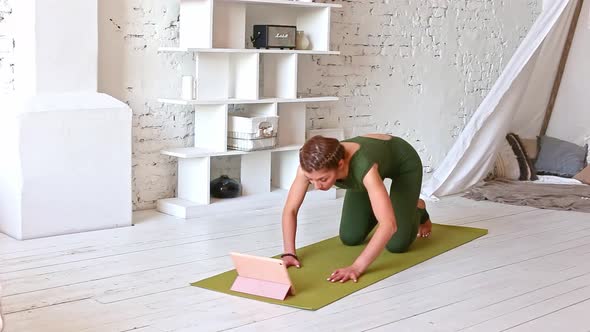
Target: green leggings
358 219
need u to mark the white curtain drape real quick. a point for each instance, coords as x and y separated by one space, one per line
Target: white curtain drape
516 103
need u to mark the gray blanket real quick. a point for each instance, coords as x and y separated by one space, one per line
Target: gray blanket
542 196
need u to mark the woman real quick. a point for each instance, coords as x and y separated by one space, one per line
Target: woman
359 165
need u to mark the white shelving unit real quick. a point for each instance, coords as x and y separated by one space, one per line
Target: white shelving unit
245 50
229 71
248 101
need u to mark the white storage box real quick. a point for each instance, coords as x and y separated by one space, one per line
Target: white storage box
251 144
252 126
252 132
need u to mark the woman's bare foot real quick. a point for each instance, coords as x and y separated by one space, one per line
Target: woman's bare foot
425 229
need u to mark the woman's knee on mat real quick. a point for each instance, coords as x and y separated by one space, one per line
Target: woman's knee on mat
399 245
352 239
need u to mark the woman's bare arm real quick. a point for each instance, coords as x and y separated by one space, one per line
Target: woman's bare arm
383 210
292 205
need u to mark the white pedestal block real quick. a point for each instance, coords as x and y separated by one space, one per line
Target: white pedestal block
66 166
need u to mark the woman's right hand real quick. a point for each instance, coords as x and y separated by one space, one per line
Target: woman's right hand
291 261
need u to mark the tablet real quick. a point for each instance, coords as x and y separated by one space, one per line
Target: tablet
262 276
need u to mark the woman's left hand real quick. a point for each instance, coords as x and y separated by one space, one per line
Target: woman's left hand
345 274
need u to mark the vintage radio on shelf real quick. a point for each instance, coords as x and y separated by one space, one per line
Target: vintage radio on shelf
274 36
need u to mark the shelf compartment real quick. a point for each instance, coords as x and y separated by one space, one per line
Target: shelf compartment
211 127
260 109
196 28
255 172
193 180
284 166
229 25
244 127
292 121
280 76
227 76
313 21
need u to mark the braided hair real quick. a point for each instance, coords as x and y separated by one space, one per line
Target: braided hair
320 153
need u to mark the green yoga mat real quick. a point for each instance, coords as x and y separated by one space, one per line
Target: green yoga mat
319 260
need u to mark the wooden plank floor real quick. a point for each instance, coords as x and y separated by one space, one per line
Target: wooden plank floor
530 273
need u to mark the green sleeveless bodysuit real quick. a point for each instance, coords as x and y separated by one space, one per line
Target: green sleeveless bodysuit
397 160
390 156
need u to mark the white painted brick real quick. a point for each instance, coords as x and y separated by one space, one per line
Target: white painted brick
6 45
336 81
474 5
331 60
405 51
5 6
229 166
464 42
153 146
400 60
367 60
439 12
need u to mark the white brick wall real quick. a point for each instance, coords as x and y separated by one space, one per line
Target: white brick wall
417 69
6 48
131 69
